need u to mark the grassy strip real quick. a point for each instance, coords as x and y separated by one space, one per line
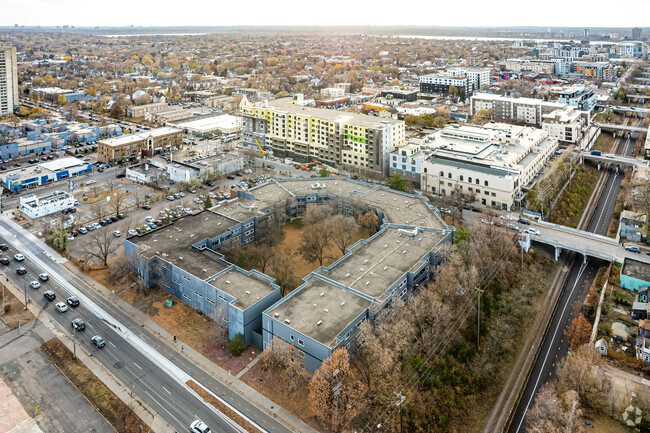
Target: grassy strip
109 405
209 398
570 206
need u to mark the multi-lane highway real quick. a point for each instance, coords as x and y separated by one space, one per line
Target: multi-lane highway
154 372
555 346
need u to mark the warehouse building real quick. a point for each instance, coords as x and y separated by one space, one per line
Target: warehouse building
44 173
36 207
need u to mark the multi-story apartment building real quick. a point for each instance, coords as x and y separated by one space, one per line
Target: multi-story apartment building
566 125
526 65
480 77
632 49
8 80
136 111
503 109
493 162
582 97
129 147
331 136
597 70
407 161
437 83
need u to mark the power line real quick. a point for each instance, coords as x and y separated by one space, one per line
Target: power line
413 378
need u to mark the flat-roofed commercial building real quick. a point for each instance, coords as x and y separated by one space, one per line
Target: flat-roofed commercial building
36 207
504 109
331 136
224 124
44 173
493 162
129 147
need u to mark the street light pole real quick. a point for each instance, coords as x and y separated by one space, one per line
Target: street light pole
25 289
74 343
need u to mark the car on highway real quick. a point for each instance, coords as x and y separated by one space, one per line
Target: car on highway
3 247
98 341
533 231
61 307
35 284
199 426
633 249
49 296
117 233
78 324
21 271
91 182
19 257
5 261
73 301
270 166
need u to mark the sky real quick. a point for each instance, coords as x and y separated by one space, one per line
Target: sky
471 13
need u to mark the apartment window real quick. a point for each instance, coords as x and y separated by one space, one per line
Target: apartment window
478 191
187 297
222 298
198 294
460 177
176 281
302 343
478 182
487 192
210 301
449 175
185 278
165 267
469 179
494 194
486 183
291 337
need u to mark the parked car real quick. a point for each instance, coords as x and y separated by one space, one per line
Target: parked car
82 230
4 247
98 341
523 221
231 177
532 231
5 261
149 219
61 307
146 207
49 296
96 226
270 166
73 301
121 216
170 198
132 232
117 233
91 182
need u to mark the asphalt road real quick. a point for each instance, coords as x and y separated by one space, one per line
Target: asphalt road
581 275
150 381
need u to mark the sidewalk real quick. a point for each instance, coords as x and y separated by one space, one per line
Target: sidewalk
253 396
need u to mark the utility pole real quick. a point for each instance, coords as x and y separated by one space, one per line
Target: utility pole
400 400
478 332
74 343
25 289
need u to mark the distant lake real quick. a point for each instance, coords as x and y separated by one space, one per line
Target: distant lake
483 38
154 34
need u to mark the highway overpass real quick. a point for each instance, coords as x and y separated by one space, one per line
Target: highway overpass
623 161
585 243
625 128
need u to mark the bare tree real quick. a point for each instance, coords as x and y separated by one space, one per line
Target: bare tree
343 228
118 202
101 246
98 210
95 188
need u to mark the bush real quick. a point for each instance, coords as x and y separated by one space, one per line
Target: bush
236 346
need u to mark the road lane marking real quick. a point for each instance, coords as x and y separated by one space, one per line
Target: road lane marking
137 365
167 390
111 344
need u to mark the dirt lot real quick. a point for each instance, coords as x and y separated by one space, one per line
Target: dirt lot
104 400
14 311
269 385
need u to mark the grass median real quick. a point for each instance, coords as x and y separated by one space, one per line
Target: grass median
109 405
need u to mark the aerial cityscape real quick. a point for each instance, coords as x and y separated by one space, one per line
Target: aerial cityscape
276 221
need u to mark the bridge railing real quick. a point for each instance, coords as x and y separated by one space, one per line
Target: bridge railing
582 233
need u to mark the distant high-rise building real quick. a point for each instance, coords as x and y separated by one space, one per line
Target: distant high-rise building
8 80
636 33
586 33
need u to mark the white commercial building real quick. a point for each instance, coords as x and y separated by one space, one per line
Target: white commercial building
36 207
493 162
504 109
480 77
224 124
8 80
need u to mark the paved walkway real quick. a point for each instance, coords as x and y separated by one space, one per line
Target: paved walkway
253 396
12 413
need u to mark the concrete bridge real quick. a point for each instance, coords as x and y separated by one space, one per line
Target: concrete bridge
614 127
623 161
585 243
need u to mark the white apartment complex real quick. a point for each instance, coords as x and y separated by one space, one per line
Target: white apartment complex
441 84
503 109
567 125
35 207
480 77
331 136
8 80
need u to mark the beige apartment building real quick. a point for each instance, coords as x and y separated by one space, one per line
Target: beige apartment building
8 80
331 136
567 125
129 147
503 109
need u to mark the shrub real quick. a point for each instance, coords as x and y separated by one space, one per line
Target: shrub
236 346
